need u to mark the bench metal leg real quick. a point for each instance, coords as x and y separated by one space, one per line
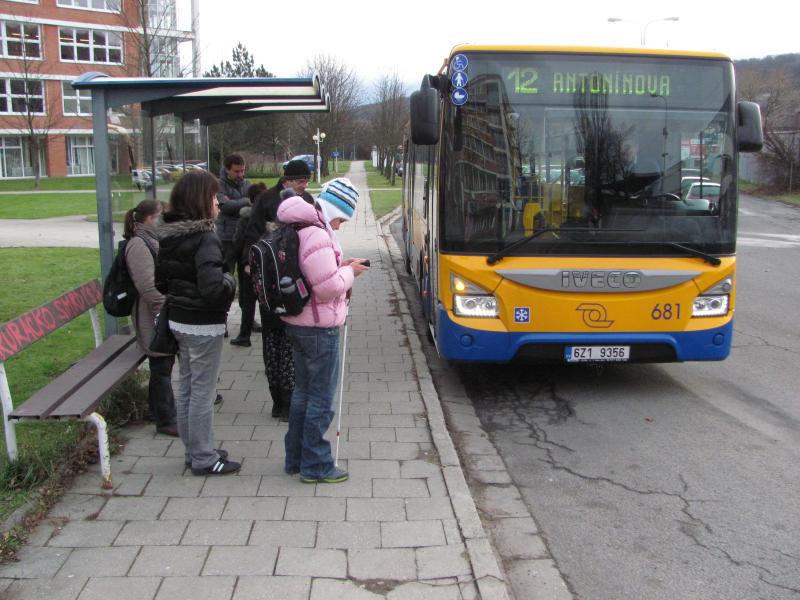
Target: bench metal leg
8 425
102 447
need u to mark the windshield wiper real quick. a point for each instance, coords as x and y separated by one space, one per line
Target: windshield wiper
498 256
712 260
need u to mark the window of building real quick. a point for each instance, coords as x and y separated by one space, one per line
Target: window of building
164 57
80 155
15 158
76 102
90 45
21 96
161 14
20 40
107 5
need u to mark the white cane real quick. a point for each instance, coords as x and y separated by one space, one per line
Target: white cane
341 398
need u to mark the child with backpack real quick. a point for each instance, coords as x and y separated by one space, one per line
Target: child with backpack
140 251
316 331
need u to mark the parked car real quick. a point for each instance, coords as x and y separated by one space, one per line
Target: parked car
308 158
686 183
703 195
142 179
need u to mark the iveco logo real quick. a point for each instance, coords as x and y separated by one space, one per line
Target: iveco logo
600 279
595 316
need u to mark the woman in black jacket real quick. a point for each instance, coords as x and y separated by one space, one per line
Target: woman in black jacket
190 273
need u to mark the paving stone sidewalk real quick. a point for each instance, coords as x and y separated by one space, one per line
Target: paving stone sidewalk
403 527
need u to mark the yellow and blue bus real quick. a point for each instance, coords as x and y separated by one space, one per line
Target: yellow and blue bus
546 205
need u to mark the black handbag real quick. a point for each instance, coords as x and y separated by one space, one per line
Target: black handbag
163 341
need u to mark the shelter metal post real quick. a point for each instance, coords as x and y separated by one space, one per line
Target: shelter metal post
102 170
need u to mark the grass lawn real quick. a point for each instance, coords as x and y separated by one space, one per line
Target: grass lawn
45 205
384 202
377 180
33 276
62 183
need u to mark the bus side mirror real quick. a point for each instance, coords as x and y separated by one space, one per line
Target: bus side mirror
425 116
751 137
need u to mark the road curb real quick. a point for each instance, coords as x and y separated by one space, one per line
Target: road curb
489 577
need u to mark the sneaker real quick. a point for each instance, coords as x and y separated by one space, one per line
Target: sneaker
335 476
223 454
241 341
218 399
222 467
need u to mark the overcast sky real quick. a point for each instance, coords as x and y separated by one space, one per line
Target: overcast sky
413 37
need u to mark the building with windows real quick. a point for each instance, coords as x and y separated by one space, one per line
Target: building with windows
45 44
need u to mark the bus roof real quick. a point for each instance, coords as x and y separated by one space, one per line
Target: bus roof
587 50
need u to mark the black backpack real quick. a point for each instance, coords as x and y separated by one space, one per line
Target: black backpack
275 271
119 292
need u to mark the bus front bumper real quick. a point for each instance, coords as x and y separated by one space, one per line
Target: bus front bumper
458 343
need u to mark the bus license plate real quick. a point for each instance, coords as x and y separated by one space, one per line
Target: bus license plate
597 353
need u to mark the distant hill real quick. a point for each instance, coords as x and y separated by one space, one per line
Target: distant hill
782 62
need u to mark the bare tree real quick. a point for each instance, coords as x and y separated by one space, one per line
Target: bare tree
344 89
777 93
391 104
35 108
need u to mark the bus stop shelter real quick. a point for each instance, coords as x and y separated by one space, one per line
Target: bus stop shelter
209 100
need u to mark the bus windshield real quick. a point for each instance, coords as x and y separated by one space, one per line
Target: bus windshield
590 155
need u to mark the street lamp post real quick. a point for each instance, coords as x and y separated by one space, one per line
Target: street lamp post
642 28
318 138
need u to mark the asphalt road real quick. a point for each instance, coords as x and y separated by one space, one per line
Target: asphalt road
677 481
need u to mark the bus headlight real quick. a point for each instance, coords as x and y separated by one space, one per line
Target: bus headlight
715 301
471 300
475 306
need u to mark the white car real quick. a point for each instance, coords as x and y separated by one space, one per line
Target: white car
703 195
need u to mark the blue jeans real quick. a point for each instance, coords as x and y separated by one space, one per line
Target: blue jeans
316 366
198 357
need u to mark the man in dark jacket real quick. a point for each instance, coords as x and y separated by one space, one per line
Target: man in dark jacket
296 175
232 197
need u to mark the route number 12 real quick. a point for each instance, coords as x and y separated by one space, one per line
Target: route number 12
524 80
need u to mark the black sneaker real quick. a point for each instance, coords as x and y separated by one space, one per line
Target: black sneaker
222 454
336 475
241 341
218 399
222 467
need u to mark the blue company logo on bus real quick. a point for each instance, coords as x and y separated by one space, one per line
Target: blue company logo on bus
594 316
522 314
459 62
459 79
459 97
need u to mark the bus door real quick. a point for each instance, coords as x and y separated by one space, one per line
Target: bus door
432 249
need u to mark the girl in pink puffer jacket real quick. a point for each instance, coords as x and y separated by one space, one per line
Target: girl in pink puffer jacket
315 333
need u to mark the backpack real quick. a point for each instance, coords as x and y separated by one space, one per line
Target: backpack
119 292
275 271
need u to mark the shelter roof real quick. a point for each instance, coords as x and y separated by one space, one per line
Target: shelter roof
210 99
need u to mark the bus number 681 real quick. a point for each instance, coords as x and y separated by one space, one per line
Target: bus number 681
667 312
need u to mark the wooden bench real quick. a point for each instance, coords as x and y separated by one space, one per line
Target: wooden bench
76 393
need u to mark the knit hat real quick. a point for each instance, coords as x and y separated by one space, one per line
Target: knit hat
338 199
296 169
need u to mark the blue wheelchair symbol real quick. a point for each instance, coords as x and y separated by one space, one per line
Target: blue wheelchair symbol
459 62
459 97
459 79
